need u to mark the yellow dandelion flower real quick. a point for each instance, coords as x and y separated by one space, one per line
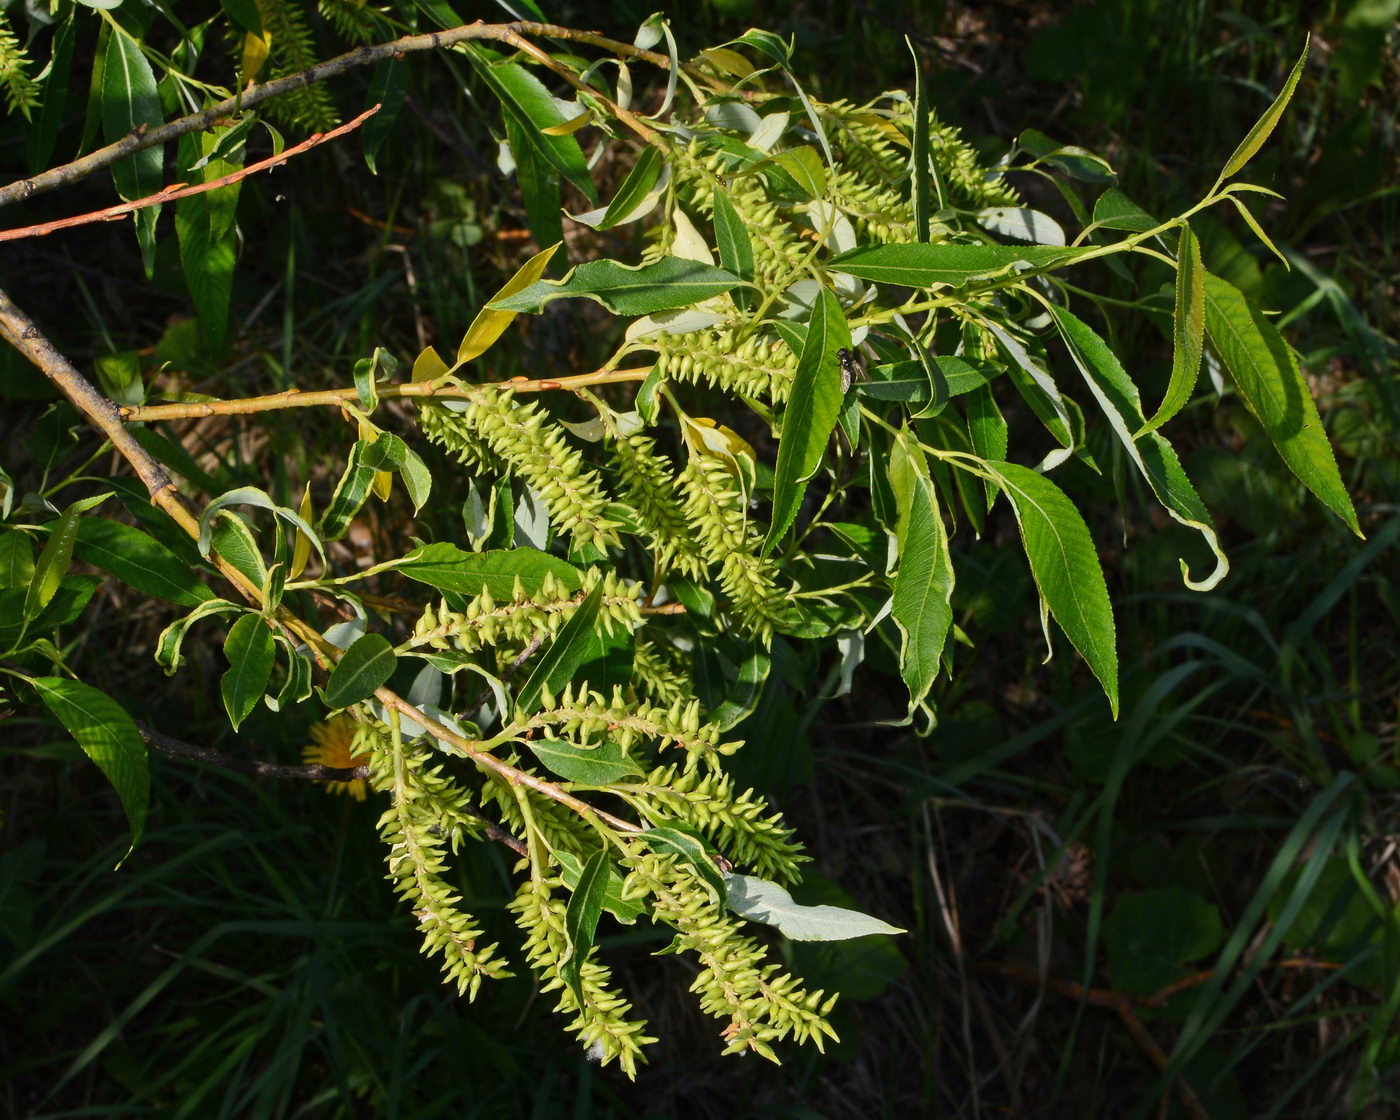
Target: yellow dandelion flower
334 739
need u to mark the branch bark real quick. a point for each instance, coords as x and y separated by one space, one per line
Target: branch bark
140 139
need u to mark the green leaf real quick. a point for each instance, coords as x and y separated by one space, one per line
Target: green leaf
490 325
129 101
1066 568
1022 223
351 493
760 900
1151 454
140 561
600 765
735 248
204 224
581 917
539 182
909 381
626 205
387 88
173 636
923 266
665 283
572 647
626 911
1151 937
805 167
243 14
1255 138
250 651
39 139
1188 330
919 156
250 496
109 737
811 412
234 541
417 479
691 849
16 559
449 568
923 590
767 43
1265 372
362 668
57 556
527 102
1115 210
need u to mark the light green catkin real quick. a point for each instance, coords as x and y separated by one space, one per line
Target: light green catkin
761 366
525 442
648 484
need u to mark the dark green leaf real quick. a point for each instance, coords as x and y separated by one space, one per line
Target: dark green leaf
909 381
350 495
1265 372
1115 210
811 412
581 917
39 139
108 736
362 668
57 556
1255 138
1151 454
735 248
539 183
16 559
1066 568
919 157
386 88
626 911
244 14
923 266
665 283
140 561
1152 937
449 568
572 647
923 589
129 101
1188 329
600 765
173 636
250 651
634 189
527 102
207 233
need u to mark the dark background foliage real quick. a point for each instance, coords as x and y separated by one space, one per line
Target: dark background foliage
249 959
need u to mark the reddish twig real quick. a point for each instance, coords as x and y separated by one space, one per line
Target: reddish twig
181 190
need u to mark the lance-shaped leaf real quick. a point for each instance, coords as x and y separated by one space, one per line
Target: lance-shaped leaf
449 568
490 324
810 416
1150 453
636 198
760 900
582 650
362 668
923 590
581 918
527 102
599 765
735 247
129 101
626 911
108 736
923 266
204 224
250 651
139 560
1254 139
251 496
1266 375
1115 210
1065 567
1188 330
57 556
666 283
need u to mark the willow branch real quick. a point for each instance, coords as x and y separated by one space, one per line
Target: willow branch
145 137
295 398
18 329
180 190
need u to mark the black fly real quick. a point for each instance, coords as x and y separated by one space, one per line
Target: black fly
850 369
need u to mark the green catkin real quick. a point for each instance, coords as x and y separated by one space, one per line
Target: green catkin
716 510
659 672
761 366
648 484
600 1018
523 441
20 90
